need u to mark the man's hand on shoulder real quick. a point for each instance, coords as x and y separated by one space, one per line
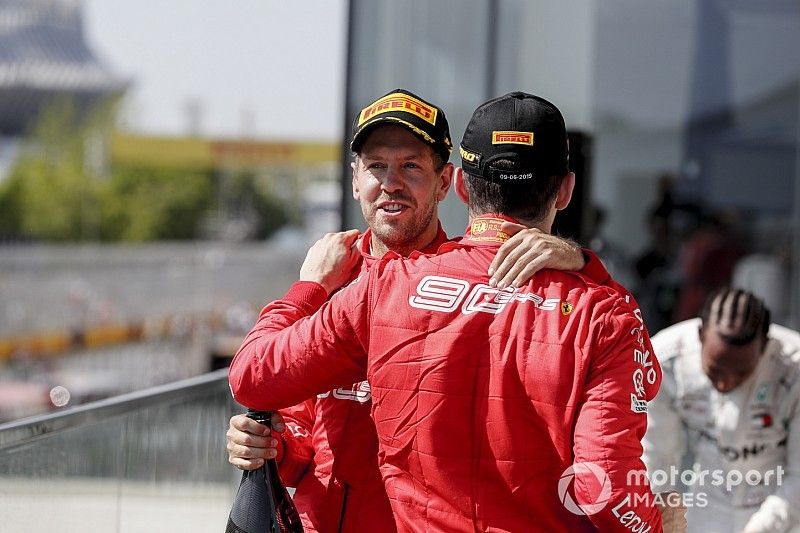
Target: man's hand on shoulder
330 261
528 251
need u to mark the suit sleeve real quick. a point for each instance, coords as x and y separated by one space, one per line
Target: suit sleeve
295 447
290 356
622 375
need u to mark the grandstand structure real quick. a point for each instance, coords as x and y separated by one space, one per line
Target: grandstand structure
44 56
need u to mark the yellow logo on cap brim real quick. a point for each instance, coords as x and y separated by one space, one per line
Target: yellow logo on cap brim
427 138
512 137
398 102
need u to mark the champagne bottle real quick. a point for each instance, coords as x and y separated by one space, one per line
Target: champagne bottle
262 503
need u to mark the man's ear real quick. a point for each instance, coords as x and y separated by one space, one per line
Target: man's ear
565 191
355 181
461 185
446 177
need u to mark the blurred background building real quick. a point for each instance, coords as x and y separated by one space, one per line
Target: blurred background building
44 57
685 112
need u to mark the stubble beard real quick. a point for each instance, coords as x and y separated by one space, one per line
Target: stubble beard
402 236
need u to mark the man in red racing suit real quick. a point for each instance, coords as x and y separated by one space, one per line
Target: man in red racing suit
344 492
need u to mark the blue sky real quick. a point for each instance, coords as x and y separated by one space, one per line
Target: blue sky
263 68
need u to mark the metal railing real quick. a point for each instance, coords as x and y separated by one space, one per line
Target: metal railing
152 460
28 430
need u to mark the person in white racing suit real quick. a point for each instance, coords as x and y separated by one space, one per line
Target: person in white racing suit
728 409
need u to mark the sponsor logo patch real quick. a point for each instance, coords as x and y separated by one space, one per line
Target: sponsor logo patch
479 226
358 392
566 308
761 394
488 229
637 405
761 420
638 382
512 137
398 102
445 295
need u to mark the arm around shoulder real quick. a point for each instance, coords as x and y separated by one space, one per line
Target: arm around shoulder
289 356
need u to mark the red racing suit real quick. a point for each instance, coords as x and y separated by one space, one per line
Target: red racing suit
329 452
496 410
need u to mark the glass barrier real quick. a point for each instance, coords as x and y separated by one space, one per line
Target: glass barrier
149 461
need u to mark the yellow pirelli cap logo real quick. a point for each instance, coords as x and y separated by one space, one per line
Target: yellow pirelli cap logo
512 137
398 102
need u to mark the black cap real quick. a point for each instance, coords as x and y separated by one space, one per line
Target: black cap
525 129
404 108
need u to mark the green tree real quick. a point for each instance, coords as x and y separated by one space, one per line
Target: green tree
58 192
141 204
48 194
11 207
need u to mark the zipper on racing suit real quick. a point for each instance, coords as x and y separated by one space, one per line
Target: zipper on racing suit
346 489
